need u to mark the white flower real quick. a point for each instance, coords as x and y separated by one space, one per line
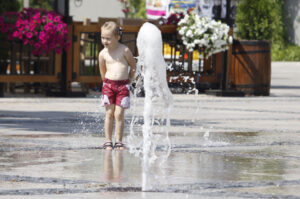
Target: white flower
181 31
204 32
189 33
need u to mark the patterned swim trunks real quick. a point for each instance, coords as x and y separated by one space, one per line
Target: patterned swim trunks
115 92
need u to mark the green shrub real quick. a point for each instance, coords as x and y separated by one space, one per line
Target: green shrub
282 49
288 52
264 20
259 19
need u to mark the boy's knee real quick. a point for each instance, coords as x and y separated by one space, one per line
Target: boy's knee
118 116
109 115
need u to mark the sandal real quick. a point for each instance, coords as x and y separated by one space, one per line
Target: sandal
106 146
119 146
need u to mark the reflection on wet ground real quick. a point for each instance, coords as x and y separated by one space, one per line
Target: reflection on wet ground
231 164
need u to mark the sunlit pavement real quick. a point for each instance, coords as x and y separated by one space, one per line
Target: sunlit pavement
246 147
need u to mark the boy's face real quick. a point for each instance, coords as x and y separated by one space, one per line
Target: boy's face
108 39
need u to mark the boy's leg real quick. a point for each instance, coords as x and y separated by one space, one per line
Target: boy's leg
108 165
119 117
118 165
109 121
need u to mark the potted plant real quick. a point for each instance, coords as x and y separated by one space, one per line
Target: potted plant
39 30
204 34
256 23
43 30
197 37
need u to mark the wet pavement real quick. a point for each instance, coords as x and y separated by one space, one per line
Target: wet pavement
221 147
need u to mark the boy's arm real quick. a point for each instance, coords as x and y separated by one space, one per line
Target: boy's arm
131 62
102 65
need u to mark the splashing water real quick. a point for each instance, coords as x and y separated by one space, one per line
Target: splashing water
158 102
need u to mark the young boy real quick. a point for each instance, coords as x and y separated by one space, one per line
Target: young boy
114 62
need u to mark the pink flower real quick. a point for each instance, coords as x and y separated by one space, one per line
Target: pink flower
59 27
41 29
37 45
32 27
29 35
37 16
42 35
44 19
48 26
126 10
50 17
15 34
57 19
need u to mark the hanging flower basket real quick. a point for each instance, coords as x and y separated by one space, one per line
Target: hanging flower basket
204 34
43 30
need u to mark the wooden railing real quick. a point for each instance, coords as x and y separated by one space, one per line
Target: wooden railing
22 66
86 46
82 58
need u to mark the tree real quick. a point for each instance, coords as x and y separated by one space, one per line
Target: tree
134 8
46 4
260 20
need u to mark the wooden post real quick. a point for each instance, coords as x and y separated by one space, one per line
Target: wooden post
69 64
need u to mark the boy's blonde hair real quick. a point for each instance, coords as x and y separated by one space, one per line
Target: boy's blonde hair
112 26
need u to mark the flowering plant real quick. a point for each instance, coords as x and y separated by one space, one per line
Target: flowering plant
203 33
174 18
7 23
126 7
41 29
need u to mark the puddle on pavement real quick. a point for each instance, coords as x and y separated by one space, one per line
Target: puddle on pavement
233 160
122 167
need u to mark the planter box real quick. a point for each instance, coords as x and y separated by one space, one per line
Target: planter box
250 70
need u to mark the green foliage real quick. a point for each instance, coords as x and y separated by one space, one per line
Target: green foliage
280 35
282 49
138 9
45 4
264 20
288 52
259 19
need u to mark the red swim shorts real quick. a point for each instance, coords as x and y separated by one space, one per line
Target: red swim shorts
115 92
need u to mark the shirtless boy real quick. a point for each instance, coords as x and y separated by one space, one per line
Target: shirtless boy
114 62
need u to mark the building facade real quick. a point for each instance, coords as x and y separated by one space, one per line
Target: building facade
93 9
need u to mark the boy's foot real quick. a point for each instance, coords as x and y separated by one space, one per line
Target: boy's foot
108 146
119 146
